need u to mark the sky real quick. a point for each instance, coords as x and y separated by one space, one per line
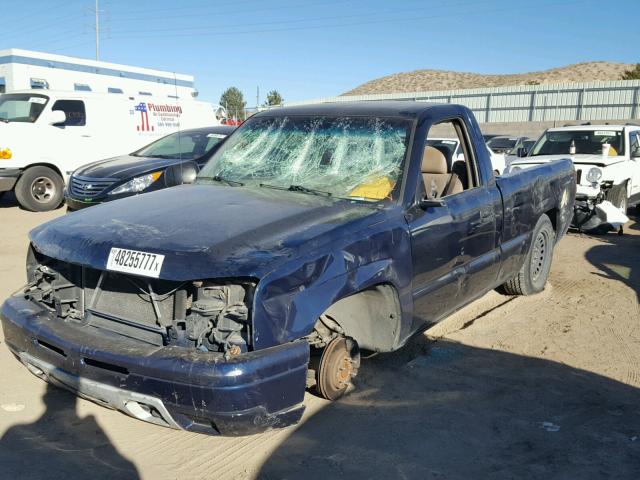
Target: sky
318 48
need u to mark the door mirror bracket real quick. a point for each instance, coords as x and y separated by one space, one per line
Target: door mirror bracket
431 202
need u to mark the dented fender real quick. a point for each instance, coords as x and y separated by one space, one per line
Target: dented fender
289 301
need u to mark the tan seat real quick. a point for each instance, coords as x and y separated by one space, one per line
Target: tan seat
438 182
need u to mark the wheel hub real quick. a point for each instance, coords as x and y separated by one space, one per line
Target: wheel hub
538 255
344 371
43 189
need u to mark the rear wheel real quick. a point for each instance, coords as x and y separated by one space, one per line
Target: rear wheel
533 275
39 189
338 366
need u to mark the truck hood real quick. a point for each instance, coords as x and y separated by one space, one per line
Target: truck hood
580 159
205 231
125 166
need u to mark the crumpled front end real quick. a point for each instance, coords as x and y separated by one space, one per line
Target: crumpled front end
597 215
177 354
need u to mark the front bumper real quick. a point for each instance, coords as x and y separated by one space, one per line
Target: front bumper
8 178
170 386
74 204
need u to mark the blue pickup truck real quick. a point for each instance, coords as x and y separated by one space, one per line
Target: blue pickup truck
313 233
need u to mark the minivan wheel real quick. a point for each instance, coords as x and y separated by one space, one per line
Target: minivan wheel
39 189
534 273
338 366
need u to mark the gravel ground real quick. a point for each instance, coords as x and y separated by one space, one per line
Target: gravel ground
539 387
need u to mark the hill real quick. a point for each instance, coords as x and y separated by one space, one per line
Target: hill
427 80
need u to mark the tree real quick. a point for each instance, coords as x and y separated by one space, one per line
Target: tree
233 100
273 98
632 74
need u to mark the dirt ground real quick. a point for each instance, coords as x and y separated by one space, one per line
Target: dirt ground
539 387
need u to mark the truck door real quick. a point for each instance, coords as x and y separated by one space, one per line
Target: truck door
73 148
454 244
634 154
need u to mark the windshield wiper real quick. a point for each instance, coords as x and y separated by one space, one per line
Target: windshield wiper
297 188
165 157
218 178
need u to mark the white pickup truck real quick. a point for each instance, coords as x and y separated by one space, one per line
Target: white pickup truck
607 163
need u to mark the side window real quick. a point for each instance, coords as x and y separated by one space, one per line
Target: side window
634 144
74 110
447 170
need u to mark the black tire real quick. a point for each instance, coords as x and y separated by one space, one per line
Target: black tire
39 189
534 273
338 366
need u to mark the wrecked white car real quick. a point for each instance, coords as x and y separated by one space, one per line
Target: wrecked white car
607 163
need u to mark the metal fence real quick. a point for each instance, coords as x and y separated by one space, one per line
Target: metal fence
612 100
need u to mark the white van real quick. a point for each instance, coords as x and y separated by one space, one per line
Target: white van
45 135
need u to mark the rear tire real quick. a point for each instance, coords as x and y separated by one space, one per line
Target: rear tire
39 189
534 273
338 366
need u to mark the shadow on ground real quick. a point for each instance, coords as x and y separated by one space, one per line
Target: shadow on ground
8 200
61 445
619 256
635 219
448 411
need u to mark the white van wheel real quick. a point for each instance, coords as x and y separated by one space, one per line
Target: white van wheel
39 189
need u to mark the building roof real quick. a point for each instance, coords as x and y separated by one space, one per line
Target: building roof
28 57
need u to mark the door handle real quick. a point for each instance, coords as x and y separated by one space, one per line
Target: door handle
485 214
474 227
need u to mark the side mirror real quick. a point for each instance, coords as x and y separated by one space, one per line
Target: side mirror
57 117
522 152
180 173
431 202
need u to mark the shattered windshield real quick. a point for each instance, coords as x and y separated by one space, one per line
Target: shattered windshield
578 142
359 158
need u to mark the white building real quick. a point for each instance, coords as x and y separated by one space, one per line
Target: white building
24 69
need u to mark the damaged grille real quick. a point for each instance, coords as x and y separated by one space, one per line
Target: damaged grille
205 315
131 306
86 187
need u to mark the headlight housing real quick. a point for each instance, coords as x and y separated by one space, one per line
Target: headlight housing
594 175
137 184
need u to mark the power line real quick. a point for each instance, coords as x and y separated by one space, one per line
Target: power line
190 32
294 21
129 18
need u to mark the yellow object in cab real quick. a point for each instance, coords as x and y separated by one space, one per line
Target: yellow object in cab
5 154
376 189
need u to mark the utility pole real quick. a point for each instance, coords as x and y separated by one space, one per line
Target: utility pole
97 30
257 97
